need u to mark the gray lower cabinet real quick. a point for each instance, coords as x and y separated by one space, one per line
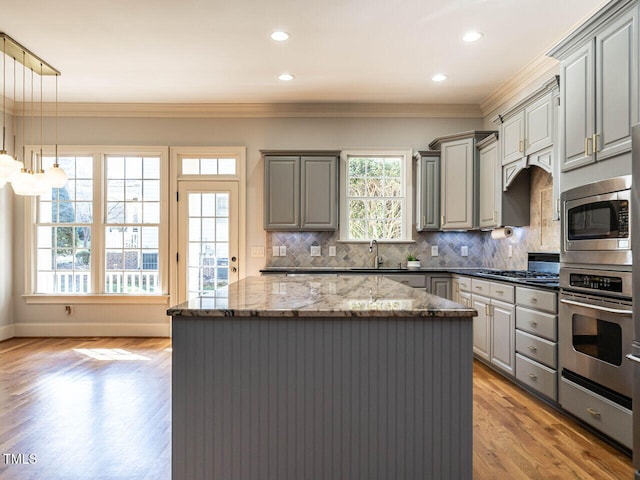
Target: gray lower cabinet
427 190
301 191
599 83
536 340
494 327
437 284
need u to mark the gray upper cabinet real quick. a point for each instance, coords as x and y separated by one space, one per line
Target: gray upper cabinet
459 179
300 191
528 130
497 208
427 190
599 82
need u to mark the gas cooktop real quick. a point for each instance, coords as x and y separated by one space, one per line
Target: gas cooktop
528 275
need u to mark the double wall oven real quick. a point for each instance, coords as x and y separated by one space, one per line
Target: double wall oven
596 326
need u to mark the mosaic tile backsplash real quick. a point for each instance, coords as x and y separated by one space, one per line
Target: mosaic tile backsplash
542 235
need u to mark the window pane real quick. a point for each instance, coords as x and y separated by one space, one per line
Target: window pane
133 167
151 190
149 237
372 183
209 166
151 212
115 168
151 167
190 166
115 212
133 190
222 205
227 166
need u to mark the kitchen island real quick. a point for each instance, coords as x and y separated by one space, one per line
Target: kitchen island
314 378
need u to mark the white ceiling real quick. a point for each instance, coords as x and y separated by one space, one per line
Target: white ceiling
219 51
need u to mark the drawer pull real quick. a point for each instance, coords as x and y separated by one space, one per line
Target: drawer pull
500 291
478 287
533 348
532 323
533 376
534 299
593 412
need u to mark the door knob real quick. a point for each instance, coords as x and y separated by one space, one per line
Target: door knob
233 259
234 269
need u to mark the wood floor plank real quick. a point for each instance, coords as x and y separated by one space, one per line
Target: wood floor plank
86 418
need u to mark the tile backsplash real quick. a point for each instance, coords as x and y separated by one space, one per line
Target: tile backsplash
542 235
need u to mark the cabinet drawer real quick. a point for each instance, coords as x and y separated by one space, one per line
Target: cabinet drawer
480 287
415 281
599 412
537 376
537 299
538 323
465 284
502 291
537 349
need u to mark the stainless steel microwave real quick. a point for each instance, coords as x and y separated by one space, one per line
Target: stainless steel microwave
596 223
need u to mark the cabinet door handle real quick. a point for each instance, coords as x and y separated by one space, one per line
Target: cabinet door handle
594 140
533 376
586 146
424 221
521 146
442 220
533 348
593 412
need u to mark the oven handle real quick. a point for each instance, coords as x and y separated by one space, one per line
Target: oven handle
633 358
597 307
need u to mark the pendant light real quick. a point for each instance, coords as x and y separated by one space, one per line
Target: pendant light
22 182
30 179
56 176
8 165
41 183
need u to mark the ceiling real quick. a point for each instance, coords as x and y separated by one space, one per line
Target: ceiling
214 51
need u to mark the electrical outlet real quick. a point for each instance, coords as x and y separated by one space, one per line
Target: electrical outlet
257 251
332 251
434 250
283 250
464 251
276 251
315 250
510 251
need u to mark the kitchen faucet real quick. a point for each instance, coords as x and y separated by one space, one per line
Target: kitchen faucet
378 260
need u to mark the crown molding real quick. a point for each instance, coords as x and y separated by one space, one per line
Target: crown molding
541 66
255 110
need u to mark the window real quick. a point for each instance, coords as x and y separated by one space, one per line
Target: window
63 236
376 193
102 232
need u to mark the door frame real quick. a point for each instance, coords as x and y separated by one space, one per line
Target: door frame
175 176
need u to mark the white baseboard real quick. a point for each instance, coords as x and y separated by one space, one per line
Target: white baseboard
92 329
7 331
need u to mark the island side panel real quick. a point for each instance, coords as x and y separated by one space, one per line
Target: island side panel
322 398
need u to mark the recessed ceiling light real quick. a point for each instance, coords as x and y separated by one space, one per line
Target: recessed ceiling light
286 77
439 77
471 37
280 36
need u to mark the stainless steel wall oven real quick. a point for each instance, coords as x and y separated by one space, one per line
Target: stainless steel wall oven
596 331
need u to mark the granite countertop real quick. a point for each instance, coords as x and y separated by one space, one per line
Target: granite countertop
470 271
320 296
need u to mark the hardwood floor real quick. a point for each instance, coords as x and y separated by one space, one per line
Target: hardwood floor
88 413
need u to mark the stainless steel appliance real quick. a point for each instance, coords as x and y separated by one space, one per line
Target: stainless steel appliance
596 331
541 268
634 358
596 223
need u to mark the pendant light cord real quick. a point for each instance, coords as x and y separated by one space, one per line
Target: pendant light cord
41 120
4 96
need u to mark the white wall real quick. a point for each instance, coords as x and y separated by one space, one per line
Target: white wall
254 134
6 246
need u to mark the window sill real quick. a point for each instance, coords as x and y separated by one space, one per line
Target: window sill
97 299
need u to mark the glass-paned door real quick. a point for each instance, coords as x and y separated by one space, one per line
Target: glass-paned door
208 238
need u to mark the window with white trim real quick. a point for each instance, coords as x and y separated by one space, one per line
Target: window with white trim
376 195
105 231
